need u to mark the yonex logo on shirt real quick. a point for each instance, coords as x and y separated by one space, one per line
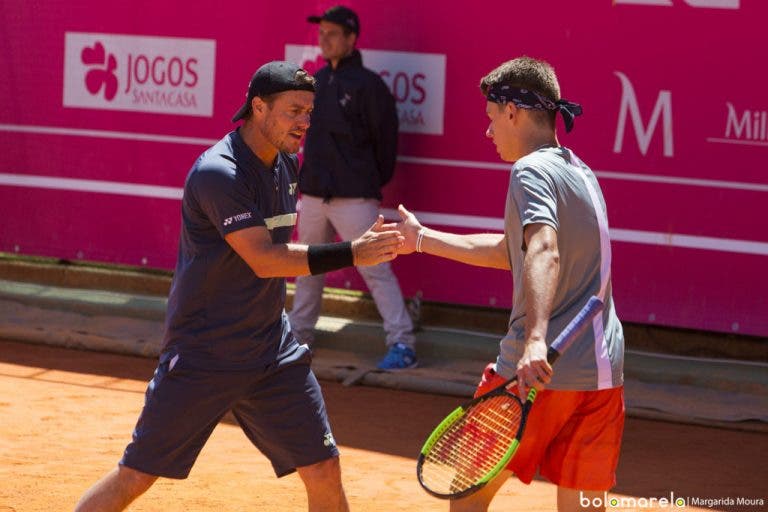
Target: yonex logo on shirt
237 218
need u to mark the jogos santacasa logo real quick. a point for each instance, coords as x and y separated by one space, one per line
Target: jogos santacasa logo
416 80
165 75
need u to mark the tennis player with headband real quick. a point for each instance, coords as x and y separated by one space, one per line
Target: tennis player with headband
556 244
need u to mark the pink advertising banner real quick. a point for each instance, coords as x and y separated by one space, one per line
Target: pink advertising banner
104 107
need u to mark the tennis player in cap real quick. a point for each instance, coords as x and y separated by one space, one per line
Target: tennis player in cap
228 343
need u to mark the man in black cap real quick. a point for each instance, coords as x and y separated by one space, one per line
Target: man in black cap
228 344
349 156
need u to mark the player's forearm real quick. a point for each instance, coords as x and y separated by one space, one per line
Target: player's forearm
255 247
541 267
281 260
288 260
479 249
266 259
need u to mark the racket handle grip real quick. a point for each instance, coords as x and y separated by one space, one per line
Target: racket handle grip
574 328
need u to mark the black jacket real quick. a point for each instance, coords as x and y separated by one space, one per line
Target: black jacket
351 143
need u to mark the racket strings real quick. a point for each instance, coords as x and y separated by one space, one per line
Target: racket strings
473 446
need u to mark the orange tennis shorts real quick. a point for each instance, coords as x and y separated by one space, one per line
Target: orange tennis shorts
571 437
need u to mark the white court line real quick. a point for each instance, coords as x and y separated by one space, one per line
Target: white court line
613 175
429 218
102 187
690 242
443 162
711 4
106 134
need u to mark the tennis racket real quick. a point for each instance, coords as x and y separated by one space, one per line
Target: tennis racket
477 440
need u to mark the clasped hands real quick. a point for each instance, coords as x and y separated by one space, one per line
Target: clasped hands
385 241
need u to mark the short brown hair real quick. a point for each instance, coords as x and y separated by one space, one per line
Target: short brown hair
526 73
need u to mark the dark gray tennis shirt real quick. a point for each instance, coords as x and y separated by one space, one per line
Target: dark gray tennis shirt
220 313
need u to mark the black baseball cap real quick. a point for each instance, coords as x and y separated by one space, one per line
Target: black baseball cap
273 77
339 15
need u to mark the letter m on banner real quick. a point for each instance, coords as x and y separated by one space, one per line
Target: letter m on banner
663 108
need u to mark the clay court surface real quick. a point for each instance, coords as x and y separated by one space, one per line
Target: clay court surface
66 415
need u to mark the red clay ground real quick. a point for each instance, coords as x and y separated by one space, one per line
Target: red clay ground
66 415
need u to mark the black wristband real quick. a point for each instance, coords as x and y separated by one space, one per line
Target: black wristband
324 258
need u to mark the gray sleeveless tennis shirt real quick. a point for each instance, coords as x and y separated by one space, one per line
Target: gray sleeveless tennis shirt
552 186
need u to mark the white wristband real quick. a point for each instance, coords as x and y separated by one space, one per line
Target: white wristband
420 238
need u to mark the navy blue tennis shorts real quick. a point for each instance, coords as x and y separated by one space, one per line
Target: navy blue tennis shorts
281 411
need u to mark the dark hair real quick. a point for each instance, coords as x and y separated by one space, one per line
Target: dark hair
527 73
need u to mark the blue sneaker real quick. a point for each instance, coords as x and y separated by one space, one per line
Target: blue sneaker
399 357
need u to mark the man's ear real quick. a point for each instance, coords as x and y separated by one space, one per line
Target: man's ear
258 104
510 110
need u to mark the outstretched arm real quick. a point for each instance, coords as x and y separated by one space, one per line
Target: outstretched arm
478 249
380 243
